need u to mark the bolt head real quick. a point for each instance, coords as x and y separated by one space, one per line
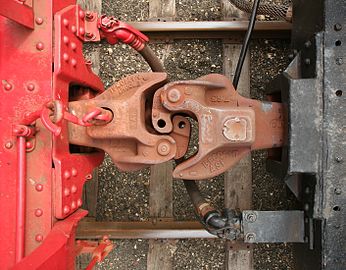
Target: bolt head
337 27
39 20
307 61
39 237
338 159
66 209
73 205
164 149
67 175
73 189
173 95
251 217
39 187
74 172
40 46
73 46
74 62
65 22
30 87
337 191
66 192
81 30
65 57
38 212
7 86
29 145
8 145
250 237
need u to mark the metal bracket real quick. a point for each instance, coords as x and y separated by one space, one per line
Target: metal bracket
273 226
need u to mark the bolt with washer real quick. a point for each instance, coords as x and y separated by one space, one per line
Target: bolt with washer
174 95
250 237
251 217
164 149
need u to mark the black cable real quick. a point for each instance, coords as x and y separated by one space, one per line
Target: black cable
245 46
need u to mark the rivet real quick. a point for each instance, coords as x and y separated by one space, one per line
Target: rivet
30 87
38 212
339 61
250 237
81 14
307 44
307 61
8 145
65 22
7 86
337 27
174 95
29 145
66 209
306 207
338 159
66 192
73 46
65 56
39 20
39 46
66 39
74 172
73 189
67 175
73 205
39 187
39 237
79 202
337 191
73 29
73 62
164 149
81 31
89 15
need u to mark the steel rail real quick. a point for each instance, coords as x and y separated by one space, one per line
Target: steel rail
211 29
91 229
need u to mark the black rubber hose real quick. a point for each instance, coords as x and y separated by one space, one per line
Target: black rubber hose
245 46
206 212
152 60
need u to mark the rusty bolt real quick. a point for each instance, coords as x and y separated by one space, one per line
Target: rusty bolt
39 187
40 46
39 20
30 87
163 149
251 217
250 237
39 237
38 212
174 95
8 145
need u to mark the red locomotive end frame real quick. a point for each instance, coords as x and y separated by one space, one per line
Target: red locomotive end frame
40 191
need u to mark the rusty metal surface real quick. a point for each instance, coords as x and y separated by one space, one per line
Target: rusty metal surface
229 125
91 229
